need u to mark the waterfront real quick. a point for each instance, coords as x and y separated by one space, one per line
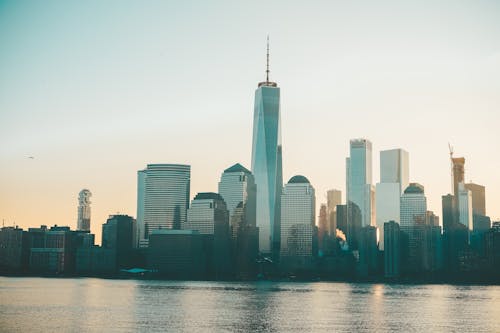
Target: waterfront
96 305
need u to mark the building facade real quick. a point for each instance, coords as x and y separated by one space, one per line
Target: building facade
163 197
237 186
298 204
83 222
394 178
267 163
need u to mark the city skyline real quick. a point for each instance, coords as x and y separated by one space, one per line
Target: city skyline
49 182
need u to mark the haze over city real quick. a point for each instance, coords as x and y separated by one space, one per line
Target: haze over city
93 92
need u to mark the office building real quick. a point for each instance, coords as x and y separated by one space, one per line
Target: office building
179 254
83 222
237 188
394 179
209 216
118 234
163 197
360 191
207 209
392 249
478 198
298 204
267 162
413 212
465 214
333 199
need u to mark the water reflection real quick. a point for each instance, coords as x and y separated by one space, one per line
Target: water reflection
94 305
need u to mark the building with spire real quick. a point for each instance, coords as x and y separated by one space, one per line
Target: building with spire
83 222
267 162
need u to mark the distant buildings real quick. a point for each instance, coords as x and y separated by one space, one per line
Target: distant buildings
394 179
83 222
360 191
333 199
392 250
267 163
209 216
162 198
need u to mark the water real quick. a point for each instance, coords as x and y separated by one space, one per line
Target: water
97 305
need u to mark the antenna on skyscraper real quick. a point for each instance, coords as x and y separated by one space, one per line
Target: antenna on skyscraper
267 64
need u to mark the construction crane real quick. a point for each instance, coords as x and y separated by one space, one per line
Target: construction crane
450 148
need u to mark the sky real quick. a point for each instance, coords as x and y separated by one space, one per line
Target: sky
96 90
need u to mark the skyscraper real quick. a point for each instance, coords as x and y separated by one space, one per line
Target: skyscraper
237 185
206 211
394 178
163 197
464 206
118 234
84 210
209 216
298 203
412 223
267 161
333 198
478 198
360 191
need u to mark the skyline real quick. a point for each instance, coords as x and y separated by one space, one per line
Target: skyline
139 106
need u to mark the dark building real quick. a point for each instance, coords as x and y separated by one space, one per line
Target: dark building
95 260
14 249
353 226
178 254
481 225
118 234
492 249
455 235
55 251
368 252
392 250
342 218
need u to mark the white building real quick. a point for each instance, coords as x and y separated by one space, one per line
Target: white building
465 211
83 222
394 179
298 204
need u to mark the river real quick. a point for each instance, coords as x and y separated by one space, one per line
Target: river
100 305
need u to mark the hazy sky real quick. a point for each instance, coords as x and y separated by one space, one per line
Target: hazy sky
95 90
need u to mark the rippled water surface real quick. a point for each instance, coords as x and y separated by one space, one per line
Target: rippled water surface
97 305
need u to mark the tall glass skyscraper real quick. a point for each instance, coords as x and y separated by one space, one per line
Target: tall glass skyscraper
162 197
360 191
267 162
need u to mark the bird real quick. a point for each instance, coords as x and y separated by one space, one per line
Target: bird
31 157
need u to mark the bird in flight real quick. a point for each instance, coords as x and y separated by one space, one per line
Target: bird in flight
31 157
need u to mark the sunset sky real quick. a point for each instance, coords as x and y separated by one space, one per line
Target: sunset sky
96 90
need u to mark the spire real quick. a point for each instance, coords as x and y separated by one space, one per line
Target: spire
267 83
267 64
